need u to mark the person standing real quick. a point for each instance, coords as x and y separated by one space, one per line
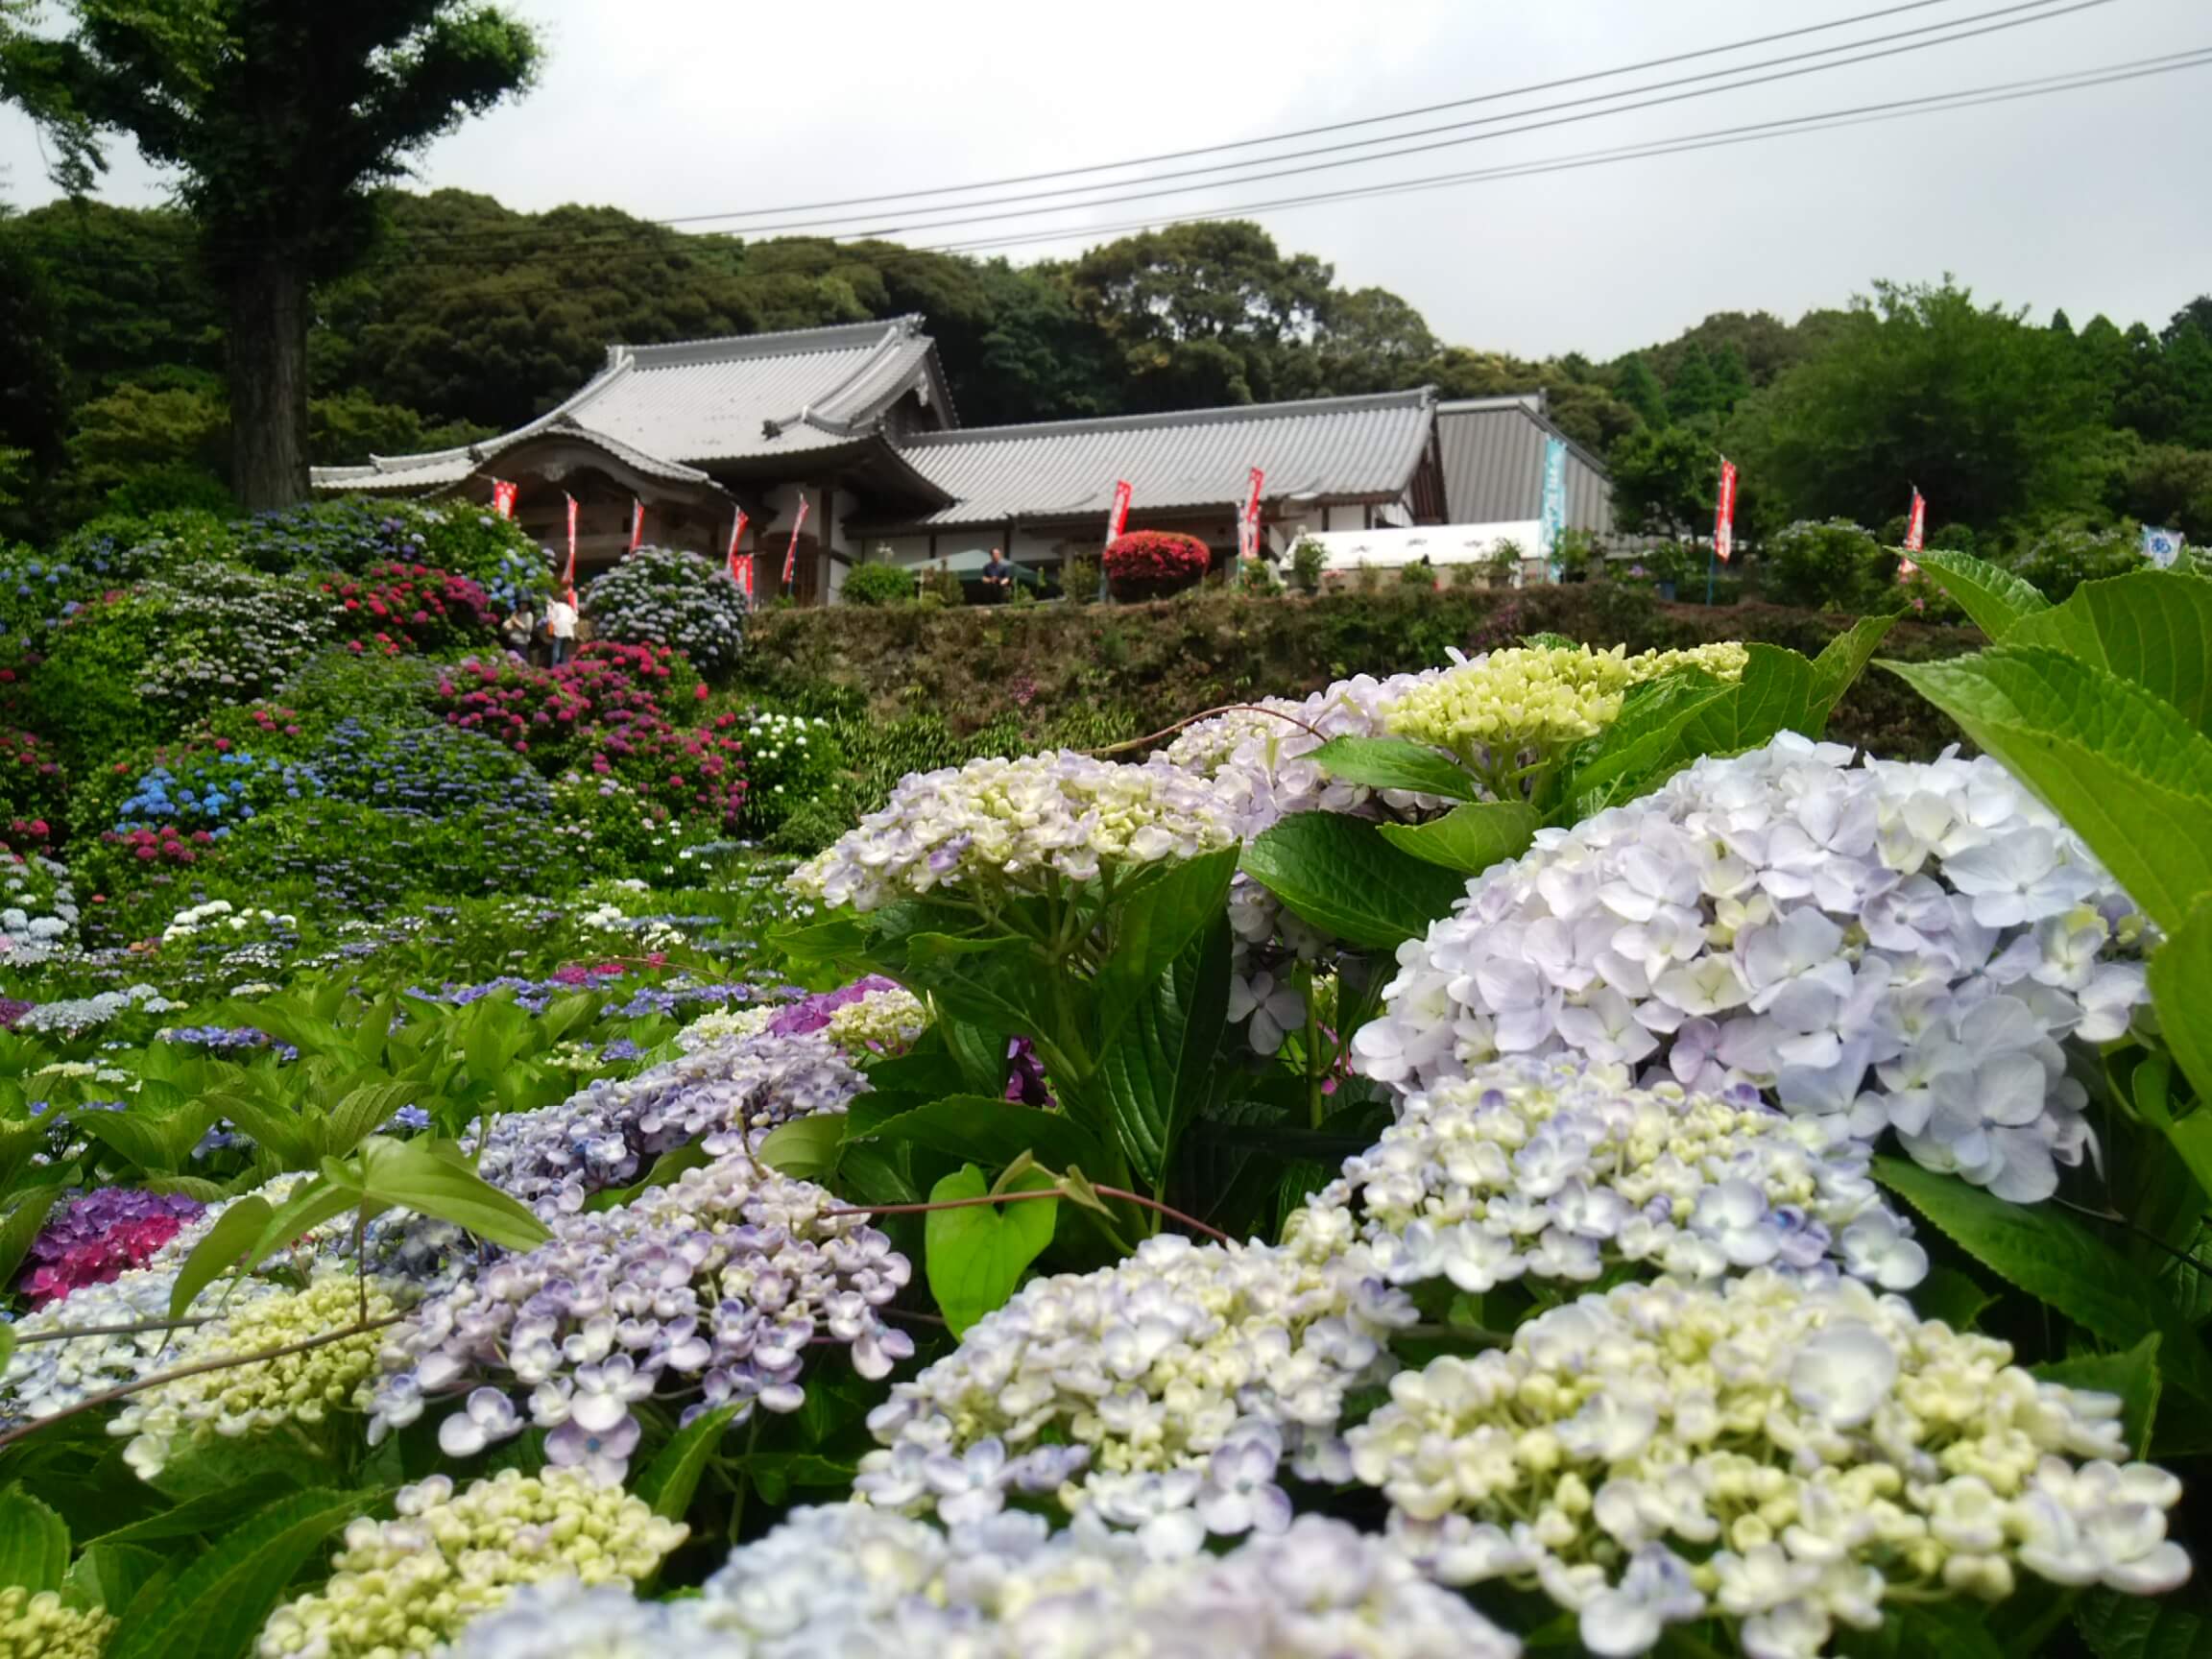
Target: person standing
515 631
561 626
998 578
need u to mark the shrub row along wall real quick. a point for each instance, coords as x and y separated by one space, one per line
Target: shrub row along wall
1088 675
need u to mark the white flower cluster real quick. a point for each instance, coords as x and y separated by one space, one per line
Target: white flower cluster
1557 1168
714 1291
406 1586
221 914
609 1134
235 1400
1258 757
1899 946
881 1023
850 1581
43 1378
1787 1457
724 1025
1159 1394
75 1014
37 909
996 824
650 933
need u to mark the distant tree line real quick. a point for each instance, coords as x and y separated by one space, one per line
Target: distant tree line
468 318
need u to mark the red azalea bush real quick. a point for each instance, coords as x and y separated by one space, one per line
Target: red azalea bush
392 607
30 792
616 710
1147 563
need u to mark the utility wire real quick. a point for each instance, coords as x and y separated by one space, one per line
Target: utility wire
2003 93
2042 12
1314 131
2006 17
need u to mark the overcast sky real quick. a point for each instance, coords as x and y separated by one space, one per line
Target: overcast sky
2093 200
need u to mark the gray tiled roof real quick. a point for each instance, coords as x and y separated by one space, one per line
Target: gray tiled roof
1492 450
740 398
1333 448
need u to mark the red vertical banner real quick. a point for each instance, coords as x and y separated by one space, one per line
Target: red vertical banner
502 499
1248 521
570 580
1916 533
791 553
1724 513
636 523
1119 516
736 534
741 572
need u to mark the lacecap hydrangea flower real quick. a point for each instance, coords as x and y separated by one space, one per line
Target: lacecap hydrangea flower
850 1580
609 1133
1783 1456
409 1585
41 1626
1559 1169
1490 710
996 826
1898 946
709 1291
238 1399
1159 1394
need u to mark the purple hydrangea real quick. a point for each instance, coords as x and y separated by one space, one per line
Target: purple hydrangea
98 1236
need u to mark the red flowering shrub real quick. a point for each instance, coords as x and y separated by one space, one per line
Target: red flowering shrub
615 711
1147 563
166 845
394 608
30 792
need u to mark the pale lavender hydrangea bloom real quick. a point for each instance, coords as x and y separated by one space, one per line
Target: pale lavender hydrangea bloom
1898 946
609 1133
1017 825
709 1291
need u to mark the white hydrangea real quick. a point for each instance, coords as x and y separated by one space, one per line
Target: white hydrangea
1017 825
850 1581
1787 1457
724 1025
1558 1169
37 909
881 1023
1899 946
1159 1394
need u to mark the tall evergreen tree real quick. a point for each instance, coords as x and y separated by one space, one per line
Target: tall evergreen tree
281 117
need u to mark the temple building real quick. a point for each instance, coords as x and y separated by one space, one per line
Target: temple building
849 435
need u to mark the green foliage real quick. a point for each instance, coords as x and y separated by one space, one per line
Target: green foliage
879 585
1307 559
1663 481
1886 400
1828 566
976 1254
1342 877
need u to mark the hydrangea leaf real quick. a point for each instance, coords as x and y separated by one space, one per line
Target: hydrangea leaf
2132 1375
1774 695
672 1478
1994 597
1341 876
33 1543
413 1176
2130 775
985 1127
1644 743
1394 764
2180 977
227 1242
1153 927
975 1256
1841 663
1470 838
2154 627
2051 1255
806 1148
1152 1079
216 1606
2173 1626
108 1576
21 1228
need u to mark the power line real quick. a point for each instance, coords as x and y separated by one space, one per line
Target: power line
1315 132
452 242
2042 11
2003 93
